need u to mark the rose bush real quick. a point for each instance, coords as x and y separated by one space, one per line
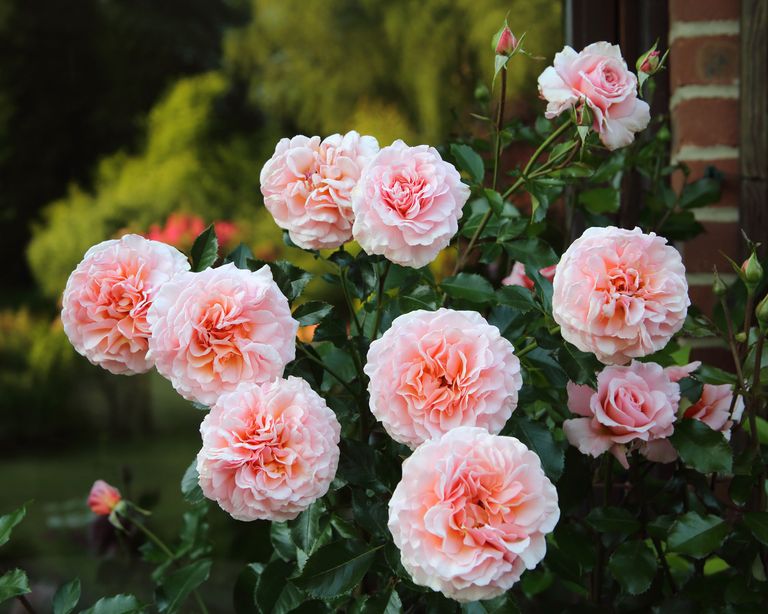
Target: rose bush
522 443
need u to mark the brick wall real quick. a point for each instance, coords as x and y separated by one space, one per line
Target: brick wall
704 103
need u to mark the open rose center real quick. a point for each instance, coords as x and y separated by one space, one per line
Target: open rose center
406 194
628 407
264 445
217 333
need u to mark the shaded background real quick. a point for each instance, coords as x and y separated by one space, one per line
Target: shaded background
156 117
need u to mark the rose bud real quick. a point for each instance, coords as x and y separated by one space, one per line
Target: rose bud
752 272
506 43
103 498
650 63
761 313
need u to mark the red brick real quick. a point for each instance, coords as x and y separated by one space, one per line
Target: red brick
731 178
702 297
703 252
704 60
704 10
706 121
715 356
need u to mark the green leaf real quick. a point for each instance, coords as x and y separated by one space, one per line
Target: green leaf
13 584
699 193
289 278
469 287
119 604
533 252
600 200
190 486
244 593
280 536
612 520
336 568
494 200
205 249
312 312
177 586
539 439
634 565
384 603
580 366
273 582
516 297
469 161
240 256
306 528
691 388
758 524
696 535
66 598
701 447
9 521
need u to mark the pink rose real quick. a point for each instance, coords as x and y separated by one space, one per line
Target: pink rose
714 406
598 76
307 186
408 204
433 371
507 42
268 451
517 276
620 294
215 329
107 297
471 513
103 498
634 407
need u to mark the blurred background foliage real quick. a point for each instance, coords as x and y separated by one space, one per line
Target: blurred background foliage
155 117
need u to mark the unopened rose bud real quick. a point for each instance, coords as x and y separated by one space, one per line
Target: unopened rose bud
741 337
650 63
753 272
761 313
506 42
103 498
718 286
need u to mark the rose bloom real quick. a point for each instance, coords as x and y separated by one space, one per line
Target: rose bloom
433 371
107 297
633 407
307 185
103 498
215 329
599 77
517 276
408 204
268 450
620 294
714 406
471 513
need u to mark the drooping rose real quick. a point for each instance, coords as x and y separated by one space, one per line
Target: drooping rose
215 329
105 303
714 408
103 498
408 204
517 276
268 450
598 77
307 186
633 407
620 294
471 513
433 371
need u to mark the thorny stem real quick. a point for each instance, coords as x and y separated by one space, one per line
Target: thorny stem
25 603
499 124
348 300
379 300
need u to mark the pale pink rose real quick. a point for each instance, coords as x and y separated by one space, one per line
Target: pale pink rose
620 294
517 276
714 406
215 329
307 185
676 372
599 77
268 450
433 371
103 498
634 407
408 204
105 303
471 513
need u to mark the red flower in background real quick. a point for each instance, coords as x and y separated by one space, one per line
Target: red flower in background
180 230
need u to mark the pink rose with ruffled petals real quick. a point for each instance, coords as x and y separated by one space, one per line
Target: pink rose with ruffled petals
103 498
471 513
434 371
107 297
268 450
599 77
714 408
215 329
307 185
517 276
408 204
634 407
620 294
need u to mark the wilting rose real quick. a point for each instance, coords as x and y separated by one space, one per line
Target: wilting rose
633 407
103 498
517 276
598 77
408 204
471 513
620 294
215 329
714 408
268 451
433 371
307 185
107 297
